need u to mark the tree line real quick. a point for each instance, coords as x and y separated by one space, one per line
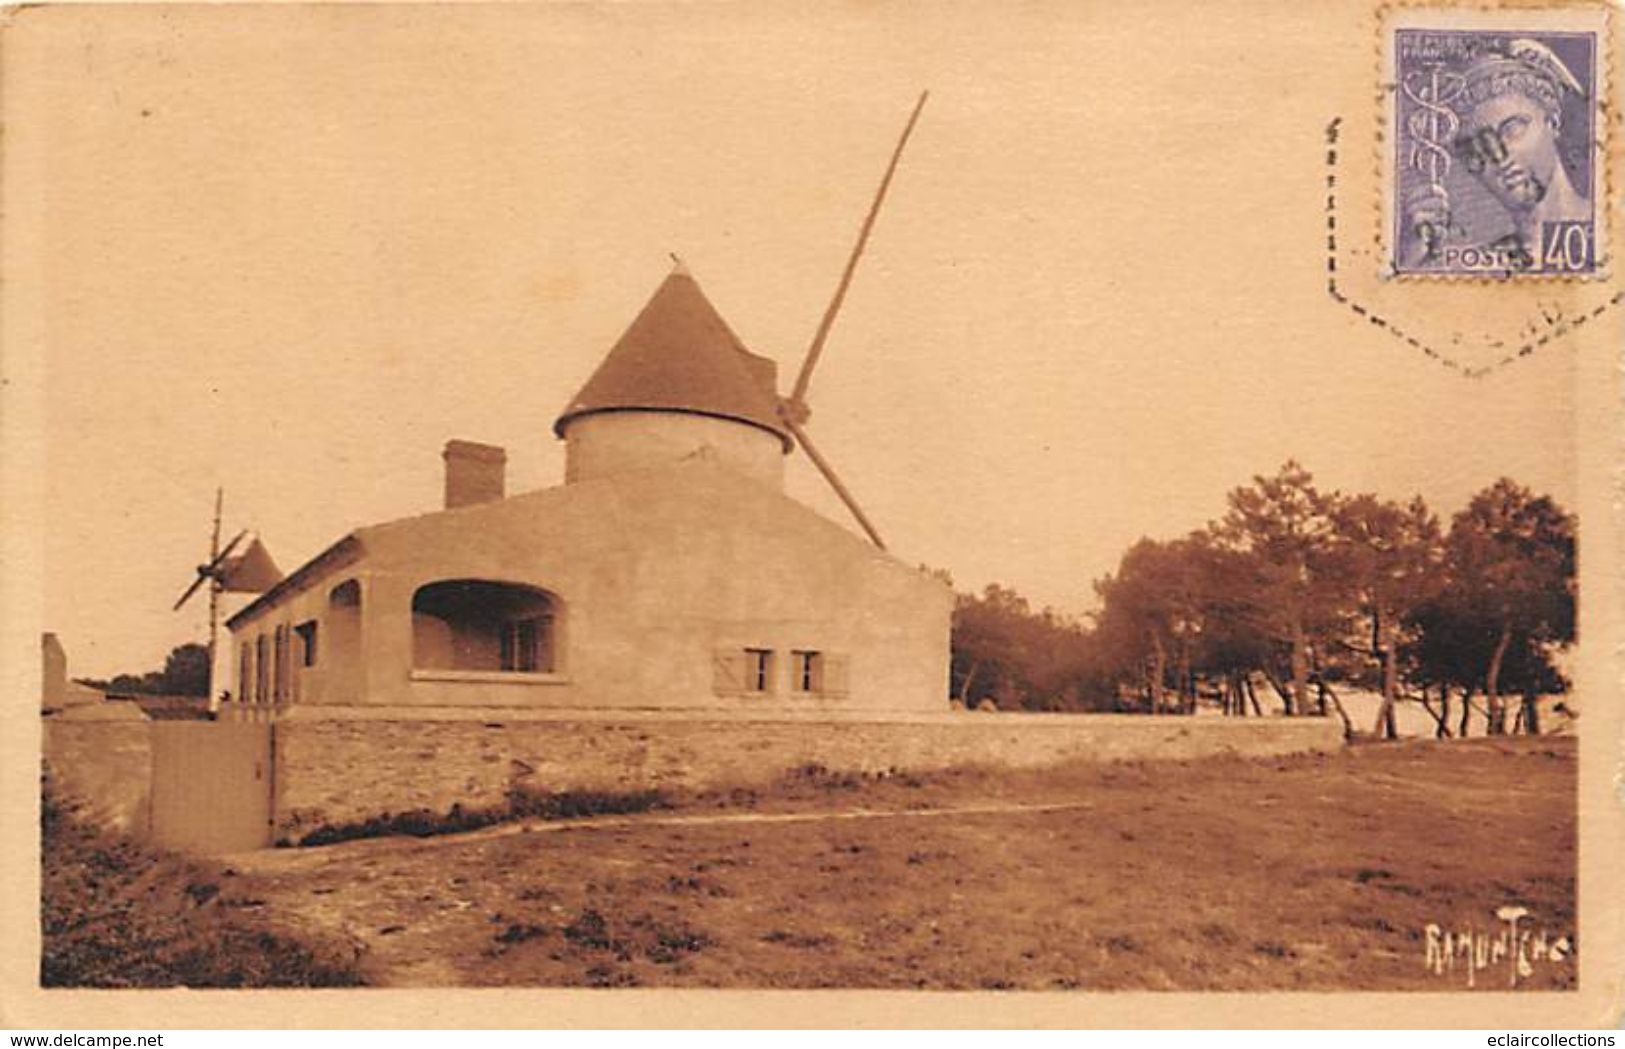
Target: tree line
1295 594
185 673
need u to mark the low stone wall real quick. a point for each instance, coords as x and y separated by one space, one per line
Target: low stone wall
338 765
101 756
335 765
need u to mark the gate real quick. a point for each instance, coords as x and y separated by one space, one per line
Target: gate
211 785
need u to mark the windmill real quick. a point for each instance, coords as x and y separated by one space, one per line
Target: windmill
793 410
253 571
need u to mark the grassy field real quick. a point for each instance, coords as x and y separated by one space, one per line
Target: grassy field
1302 873
117 913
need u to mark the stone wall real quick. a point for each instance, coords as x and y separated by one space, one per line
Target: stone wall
103 759
347 764
336 765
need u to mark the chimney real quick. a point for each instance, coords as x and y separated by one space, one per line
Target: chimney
474 473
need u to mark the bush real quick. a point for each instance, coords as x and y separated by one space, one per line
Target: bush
521 804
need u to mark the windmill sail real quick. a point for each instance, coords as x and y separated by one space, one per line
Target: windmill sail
799 393
835 482
210 570
793 409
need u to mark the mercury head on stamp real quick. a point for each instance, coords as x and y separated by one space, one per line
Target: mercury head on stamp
1493 158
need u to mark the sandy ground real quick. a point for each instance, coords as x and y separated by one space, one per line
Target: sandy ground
1413 721
1302 873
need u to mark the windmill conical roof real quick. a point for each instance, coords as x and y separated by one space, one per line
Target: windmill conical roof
251 571
679 355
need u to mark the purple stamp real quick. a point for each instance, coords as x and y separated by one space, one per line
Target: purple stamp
1493 158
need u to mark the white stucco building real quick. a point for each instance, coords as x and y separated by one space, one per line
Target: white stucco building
670 570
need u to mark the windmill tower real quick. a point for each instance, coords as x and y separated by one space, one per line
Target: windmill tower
251 572
680 382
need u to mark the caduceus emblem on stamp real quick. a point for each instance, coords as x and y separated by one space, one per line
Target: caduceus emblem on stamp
1494 160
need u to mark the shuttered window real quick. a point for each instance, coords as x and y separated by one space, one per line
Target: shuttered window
728 672
754 672
833 674
807 671
758 670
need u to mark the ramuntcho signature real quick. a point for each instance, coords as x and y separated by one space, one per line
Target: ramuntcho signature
1514 944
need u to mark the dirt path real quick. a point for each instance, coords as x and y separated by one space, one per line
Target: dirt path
266 861
1308 873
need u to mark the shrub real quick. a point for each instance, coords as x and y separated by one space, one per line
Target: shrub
522 804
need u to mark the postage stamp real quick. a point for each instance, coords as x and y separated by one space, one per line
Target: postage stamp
1493 164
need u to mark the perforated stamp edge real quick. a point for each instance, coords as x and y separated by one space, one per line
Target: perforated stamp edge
1510 16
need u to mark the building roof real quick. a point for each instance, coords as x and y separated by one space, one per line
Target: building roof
679 355
346 551
432 534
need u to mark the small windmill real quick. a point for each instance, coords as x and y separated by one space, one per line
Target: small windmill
793 410
253 571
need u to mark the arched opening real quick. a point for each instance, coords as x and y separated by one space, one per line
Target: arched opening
337 652
476 625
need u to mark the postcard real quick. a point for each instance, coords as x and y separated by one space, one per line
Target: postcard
1042 515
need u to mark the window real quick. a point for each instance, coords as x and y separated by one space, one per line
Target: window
262 670
307 643
485 627
527 644
758 670
807 669
245 672
279 669
743 671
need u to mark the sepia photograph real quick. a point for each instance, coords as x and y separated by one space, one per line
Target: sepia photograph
1047 502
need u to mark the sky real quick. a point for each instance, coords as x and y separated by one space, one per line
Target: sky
293 250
